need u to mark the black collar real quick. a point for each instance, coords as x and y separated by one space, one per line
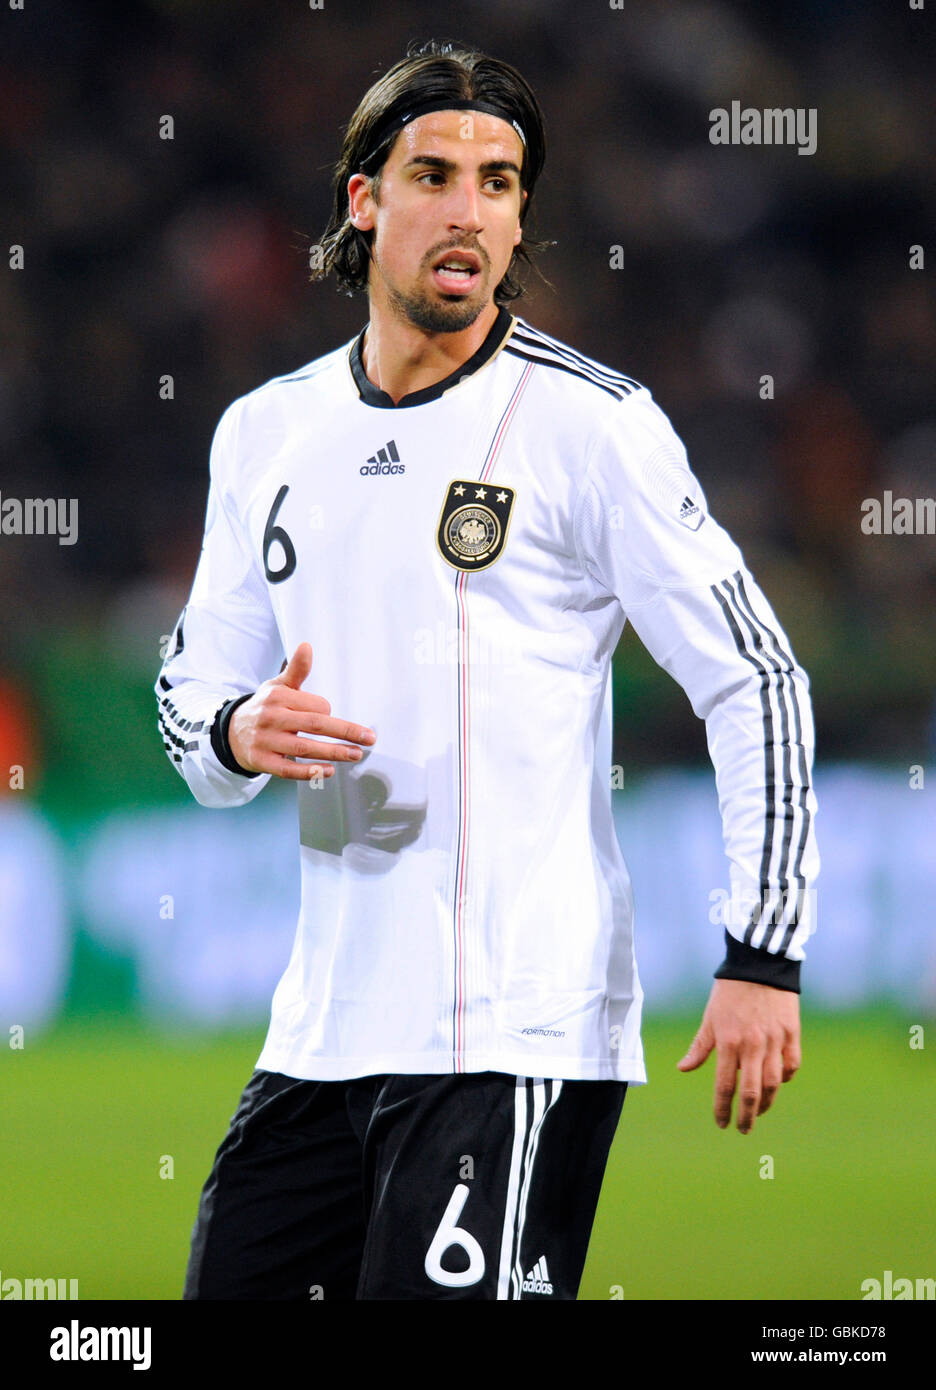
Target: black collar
372 395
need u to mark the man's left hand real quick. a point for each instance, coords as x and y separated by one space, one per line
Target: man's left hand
755 1029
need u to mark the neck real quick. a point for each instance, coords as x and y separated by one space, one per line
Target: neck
401 358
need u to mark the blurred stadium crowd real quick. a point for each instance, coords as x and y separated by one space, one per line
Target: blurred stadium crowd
146 257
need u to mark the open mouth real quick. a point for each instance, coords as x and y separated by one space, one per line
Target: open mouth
457 274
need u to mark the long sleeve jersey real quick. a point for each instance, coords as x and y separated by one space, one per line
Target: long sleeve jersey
463 564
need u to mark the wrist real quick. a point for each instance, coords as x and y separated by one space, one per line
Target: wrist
744 962
220 737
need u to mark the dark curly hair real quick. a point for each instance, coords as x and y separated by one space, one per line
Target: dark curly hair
448 71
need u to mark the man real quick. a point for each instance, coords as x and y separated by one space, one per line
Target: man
442 526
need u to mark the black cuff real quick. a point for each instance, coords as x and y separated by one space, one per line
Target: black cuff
743 962
219 737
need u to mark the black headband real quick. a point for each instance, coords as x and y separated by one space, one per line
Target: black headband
387 129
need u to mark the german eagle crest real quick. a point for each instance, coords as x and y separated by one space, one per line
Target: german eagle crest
474 522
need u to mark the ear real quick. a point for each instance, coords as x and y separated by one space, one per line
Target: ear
518 234
360 202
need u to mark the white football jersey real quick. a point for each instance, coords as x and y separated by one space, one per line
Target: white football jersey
463 564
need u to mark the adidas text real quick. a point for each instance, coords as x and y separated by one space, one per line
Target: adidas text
385 460
538 1281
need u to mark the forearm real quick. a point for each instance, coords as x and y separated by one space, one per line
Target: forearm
188 714
761 740
724 646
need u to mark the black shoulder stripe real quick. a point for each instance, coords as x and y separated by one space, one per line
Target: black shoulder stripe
303 374
534 338
618 394
561 354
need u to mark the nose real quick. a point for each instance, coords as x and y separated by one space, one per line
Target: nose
464 209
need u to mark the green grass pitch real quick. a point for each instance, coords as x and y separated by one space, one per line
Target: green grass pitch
90 1112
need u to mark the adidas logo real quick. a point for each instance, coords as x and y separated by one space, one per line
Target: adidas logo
386 460
537 1281
690 515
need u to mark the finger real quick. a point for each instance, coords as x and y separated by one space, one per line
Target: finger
699 1049
771 1077
300 664
726 1073
288 745
299 710
318 723
751 1083
294 772
313 748
792 1056
286 698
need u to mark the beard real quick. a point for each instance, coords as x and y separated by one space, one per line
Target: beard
432 314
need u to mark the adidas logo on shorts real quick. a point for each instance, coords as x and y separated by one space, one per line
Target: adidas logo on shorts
537 1281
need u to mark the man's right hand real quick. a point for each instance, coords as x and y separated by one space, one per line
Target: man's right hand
263 732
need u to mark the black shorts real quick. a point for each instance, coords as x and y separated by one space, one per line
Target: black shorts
478 1185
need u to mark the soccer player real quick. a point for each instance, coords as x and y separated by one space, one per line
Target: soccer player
420 552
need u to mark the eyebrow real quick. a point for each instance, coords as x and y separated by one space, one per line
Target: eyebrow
436 161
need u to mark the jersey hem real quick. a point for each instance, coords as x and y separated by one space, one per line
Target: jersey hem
630 1069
